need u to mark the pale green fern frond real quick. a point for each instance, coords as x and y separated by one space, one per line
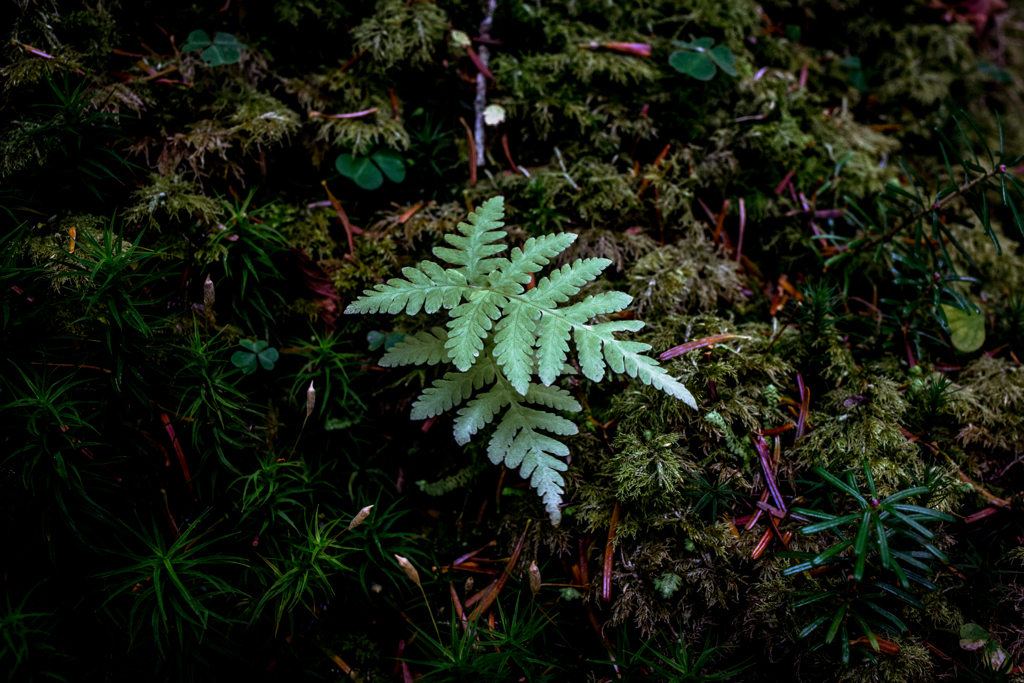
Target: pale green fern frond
470 324
450 391
534 255
514 341
624 356
502 333
566 282
428 287
476 244
422 348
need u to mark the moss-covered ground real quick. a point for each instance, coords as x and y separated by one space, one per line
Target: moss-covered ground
825 248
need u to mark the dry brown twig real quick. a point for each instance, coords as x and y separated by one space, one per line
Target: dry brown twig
480 104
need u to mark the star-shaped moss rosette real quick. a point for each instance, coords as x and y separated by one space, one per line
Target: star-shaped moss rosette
258 351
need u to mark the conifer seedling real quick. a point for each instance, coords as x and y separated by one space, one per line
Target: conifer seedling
510 344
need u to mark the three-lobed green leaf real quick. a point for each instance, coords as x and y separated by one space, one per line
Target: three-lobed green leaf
369 172
223 48
698 59
255 352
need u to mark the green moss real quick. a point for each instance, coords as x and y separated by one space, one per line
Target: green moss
991 405
171 198
88 404
689 275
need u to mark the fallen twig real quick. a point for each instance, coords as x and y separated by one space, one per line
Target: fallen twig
696 344
482 59
472 152
351 115
606 579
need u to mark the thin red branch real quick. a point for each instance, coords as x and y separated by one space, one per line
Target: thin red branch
352 115
606 579
472 152
491 592
343 217
696 344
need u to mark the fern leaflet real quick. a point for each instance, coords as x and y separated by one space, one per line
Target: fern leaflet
501 334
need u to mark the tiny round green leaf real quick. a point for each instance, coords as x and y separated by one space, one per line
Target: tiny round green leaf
228 40
268 357
376 339
360 170
966 330
197 40
724 58
694 64
219 55
347 165
245 361
391 163
973 637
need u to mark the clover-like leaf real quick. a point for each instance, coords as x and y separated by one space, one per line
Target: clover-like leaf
377 339
696 64
855 69
966 330
255 346
698 59
360 170
390 162
228 40
268 357
197 40
974 638
255 352
724 58
245 361
223 48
